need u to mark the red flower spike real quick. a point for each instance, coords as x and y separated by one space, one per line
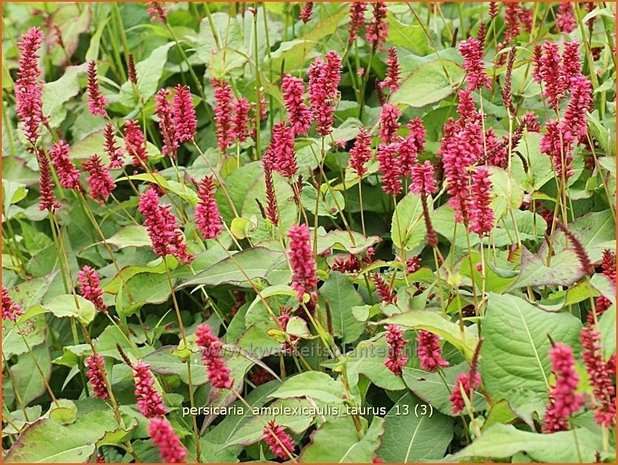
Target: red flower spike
429 351
100 182
279 442
65 169
10 310
396 359
135 142
299 114
211 347
149 400
360 153
302 261
184 114
90 287
207 216
96 100
163 436
96 365
563 400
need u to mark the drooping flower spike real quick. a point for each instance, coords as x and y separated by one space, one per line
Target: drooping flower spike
163 436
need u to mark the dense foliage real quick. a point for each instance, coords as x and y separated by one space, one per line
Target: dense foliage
318 232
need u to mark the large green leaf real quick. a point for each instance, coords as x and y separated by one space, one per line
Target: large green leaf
340 295
27 334
49 441
57 93
414 433
596 231
26 379
70 306
564 270
312 384
431 82
337 441
432 321
503 441
254 263
515 353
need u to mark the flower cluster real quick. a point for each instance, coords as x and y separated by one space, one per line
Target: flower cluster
90 287
304 278
211 347
207 216
377 29
100 181
135 142
149 400
299 114
360 153
10 310
65 169
162 434
280 156
392 79
429 351
29 86
231 115
96 377
324 79
279 442
563 399
396 359
162 227
96 100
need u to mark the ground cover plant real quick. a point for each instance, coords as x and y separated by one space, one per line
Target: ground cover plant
316 232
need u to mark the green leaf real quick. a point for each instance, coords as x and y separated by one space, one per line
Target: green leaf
30 333
414 433
596 231
57 93
407 227
504 441
28 381
149 72
337 441
133 235
341 296
539 167
353 242
257 262
515 353
607 326
431 387
409 36
312 384
564 270
432 321
428 84
71 306
50 441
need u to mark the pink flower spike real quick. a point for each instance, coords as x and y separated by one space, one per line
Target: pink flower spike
306 11
393 78
396 359
302 261
472 52
360 153
563 400
390 169
167 127
280 156
565 19
429 351
324 77
29 85
211 346
357 19
223 113
383 290
207 216
423 182
279 442
135 142
66 170
90 287
162 227
115 154
163 436
149 400
47 200
184 114
481 214
466 383
389 123
96 366
10 309
298 113
100 182
240 123
96 100
600 375
377 30
157 12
